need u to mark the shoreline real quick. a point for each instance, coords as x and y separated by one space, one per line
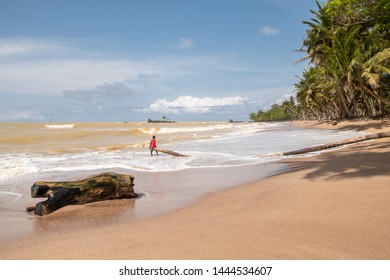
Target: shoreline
335 205
160 193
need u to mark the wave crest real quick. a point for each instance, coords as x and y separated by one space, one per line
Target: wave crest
59 126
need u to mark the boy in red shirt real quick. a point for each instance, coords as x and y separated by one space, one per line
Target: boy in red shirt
153 145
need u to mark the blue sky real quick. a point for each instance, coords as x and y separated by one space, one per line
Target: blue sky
130 60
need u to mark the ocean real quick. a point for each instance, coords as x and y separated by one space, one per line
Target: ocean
219 156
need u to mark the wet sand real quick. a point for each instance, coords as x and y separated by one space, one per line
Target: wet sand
332 206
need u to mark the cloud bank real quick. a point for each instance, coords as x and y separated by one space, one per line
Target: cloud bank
196 105
59 82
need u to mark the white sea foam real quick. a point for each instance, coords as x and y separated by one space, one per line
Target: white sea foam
16 165
59 126
150 131
8 197
244 127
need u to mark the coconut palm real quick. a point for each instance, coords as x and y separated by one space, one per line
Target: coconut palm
347 45
348 61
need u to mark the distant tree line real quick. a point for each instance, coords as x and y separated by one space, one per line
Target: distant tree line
288 111
347 47
164 119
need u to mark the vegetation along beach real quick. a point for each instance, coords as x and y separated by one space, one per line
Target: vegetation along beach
305 177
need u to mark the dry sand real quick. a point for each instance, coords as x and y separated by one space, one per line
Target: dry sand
333 206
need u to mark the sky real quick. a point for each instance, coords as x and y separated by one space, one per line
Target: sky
133 60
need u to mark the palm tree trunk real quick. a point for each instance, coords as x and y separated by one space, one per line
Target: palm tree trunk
339 143
381 107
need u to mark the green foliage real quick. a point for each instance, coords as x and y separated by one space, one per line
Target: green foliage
284 112
347 46
371 13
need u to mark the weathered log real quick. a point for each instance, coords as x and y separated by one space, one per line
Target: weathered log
339 143
170 152
104 186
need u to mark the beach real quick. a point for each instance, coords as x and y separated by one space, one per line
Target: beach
331 206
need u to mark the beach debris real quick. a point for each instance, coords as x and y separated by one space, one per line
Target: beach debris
170 152
339 143
331 145
104 186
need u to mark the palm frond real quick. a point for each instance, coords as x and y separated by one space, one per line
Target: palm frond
372 78
377 59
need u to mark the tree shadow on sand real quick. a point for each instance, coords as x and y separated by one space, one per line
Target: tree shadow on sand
359 162
358 126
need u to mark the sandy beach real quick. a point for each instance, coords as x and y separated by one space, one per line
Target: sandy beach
333 206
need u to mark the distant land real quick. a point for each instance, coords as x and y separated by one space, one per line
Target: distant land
163 120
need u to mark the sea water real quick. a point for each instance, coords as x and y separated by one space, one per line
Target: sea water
218 156
36 148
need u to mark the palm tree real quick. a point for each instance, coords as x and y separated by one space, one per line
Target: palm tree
373 70
350 62
318 36
290 108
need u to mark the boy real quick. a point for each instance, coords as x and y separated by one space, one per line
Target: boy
153 145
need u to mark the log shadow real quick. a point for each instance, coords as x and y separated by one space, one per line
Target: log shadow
87 216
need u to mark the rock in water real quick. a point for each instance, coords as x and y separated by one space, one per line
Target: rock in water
104 186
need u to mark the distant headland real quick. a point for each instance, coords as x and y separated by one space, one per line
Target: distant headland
163 120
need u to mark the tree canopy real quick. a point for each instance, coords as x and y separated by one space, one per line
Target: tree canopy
347 48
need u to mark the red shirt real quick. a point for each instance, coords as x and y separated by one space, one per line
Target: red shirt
153 143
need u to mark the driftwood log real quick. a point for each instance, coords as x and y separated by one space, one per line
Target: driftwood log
104 186
339 143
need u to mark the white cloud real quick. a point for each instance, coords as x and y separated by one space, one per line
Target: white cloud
70 70
50 67
53 76
10 47
284 97
191 104
99 80
184 43
268 31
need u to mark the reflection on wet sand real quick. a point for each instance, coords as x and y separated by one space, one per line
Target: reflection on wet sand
90 215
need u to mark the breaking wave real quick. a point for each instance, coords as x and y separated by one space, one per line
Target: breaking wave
59 126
